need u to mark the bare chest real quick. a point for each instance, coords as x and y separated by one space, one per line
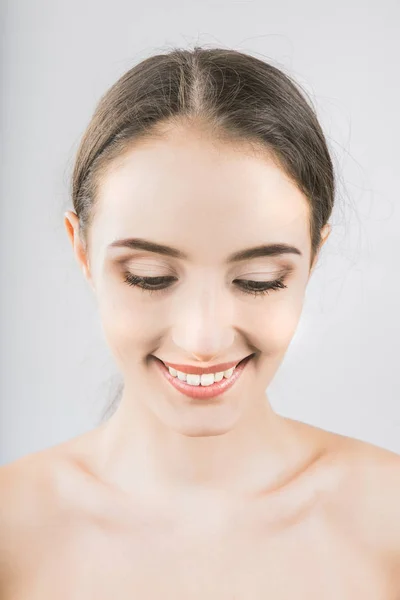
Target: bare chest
308 559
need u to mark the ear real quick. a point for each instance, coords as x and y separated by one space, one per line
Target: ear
71 223
325 232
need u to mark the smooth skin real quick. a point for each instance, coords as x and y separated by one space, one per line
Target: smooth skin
175 498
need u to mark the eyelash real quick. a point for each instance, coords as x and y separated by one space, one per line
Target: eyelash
146 284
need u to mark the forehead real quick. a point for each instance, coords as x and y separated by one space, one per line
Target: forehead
188 190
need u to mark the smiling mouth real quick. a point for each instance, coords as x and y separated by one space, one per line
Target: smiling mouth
195 370
192 385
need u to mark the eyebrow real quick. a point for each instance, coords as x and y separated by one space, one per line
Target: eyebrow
255 252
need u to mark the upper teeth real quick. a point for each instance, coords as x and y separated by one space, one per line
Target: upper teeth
204 379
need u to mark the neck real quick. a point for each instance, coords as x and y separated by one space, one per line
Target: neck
138 452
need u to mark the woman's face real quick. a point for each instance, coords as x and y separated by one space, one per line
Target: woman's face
207 200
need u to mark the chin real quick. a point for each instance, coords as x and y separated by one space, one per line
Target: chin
204 423
203 431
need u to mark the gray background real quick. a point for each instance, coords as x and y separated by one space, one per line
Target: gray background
57 58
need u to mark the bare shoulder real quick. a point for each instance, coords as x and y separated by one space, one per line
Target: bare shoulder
376 514
376 488
27 487
38 492
23 499
22 489
366 501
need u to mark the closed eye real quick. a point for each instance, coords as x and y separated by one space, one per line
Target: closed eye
160 284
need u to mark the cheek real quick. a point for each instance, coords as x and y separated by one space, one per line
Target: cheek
278 321
126 321
284 325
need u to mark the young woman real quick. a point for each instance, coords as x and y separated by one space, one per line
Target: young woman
202 191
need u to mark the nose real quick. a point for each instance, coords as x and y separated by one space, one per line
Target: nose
204 328
206 350
204 358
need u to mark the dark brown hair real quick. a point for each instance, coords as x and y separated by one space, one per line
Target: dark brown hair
236 96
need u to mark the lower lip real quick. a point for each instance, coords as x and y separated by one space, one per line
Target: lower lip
204 392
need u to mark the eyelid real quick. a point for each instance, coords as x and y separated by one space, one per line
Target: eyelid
129 263
273 274
279 272
143 269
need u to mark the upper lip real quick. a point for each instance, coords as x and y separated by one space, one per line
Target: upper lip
203 370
